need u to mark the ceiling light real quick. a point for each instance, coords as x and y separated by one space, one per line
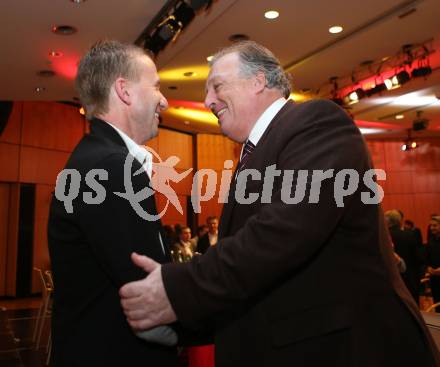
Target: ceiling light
40 89
189 74
335 29
64 30
399 117
46 73
78 1
271 14
238 37
55 54
209 58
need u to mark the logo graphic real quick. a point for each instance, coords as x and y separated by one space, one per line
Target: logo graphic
288 186
163 172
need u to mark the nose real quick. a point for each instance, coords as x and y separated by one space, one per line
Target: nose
163 104
210 100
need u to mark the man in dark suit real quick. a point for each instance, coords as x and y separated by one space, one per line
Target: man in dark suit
406 246
293 281
210 238
93 227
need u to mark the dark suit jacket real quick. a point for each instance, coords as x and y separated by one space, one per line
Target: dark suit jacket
90 254
407 246
303 284
203 244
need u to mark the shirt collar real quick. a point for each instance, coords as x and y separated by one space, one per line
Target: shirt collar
142 155
265 119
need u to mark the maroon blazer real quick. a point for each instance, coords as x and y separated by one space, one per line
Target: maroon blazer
303 284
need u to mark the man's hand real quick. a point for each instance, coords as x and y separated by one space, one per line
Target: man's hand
145 301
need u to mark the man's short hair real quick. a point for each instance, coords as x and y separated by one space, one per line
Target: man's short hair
99 68
436 218
393 217
255 59
211 218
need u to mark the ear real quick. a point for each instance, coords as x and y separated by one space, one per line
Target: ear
122 90
260 82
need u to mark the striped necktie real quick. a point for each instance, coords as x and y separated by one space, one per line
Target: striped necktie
247 151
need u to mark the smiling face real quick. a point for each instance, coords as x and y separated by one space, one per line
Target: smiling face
147 100
232 97
185 235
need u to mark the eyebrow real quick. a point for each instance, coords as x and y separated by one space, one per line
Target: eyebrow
210 81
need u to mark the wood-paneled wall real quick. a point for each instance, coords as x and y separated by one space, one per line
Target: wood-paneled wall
34 147
413 178
212 152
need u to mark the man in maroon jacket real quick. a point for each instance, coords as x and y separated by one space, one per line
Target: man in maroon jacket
301 275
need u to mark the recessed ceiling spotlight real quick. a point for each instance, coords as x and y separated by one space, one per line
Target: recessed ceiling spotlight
189 74
238 37
399 117
209 58
271 14
335 29
78 1
46 73
56 54
186 122
64 30
40 89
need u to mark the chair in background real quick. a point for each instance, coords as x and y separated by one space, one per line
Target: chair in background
43 311
49 278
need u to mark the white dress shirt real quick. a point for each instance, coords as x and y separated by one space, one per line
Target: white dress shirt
264 121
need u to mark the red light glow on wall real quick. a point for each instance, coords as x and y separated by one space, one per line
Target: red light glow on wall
66 66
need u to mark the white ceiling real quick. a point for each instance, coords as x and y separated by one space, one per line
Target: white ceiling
299 37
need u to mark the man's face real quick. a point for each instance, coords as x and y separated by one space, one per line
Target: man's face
147 100
185 235
213 226
230 96
435 227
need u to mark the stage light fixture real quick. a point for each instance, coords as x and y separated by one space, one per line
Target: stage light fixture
409 143
400 78
420 123
184 14
388 84
169 29
354 96
378 88
421 72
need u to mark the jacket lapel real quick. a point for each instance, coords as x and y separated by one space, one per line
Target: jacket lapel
228 208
